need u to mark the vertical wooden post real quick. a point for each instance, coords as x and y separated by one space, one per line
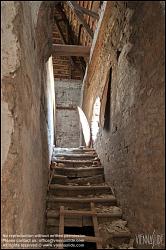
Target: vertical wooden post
61 226
95 225
50 178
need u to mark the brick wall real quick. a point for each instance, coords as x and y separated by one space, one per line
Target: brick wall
64 67
67 96
131 41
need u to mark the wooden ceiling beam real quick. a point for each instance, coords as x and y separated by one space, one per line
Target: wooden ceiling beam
71 34
60 31
70 50
83 10
80 18
62 36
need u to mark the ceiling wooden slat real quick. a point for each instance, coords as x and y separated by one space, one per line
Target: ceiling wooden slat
70 50
81 19
83 10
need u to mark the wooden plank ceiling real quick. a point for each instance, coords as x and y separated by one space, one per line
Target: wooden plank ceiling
74 23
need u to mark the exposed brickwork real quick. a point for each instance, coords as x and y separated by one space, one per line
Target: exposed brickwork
63 66
84 38
132 151
67 96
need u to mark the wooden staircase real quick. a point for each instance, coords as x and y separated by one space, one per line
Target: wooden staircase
79 197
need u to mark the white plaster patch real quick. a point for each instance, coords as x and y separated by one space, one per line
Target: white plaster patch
9 42
7 127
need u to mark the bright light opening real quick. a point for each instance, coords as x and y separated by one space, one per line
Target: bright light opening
95 119
85 126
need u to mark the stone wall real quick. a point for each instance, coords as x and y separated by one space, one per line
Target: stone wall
27 115
67 95
131 43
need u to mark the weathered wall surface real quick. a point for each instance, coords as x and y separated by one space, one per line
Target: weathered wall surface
26 81
67 96
131 41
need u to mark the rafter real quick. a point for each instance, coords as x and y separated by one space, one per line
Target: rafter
71 34
83 10
62 36
80 18
60 31
66 21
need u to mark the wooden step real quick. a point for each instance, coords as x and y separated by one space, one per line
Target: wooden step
62 179
79 172
81 218
97 179
55 213
75 203
75 156
110 198
76 163
59 179
66 190
74 150
81 221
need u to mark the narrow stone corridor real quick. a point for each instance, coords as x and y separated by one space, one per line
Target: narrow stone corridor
78 195
82 124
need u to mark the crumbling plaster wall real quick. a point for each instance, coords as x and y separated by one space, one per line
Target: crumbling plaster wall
26 115
132 151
